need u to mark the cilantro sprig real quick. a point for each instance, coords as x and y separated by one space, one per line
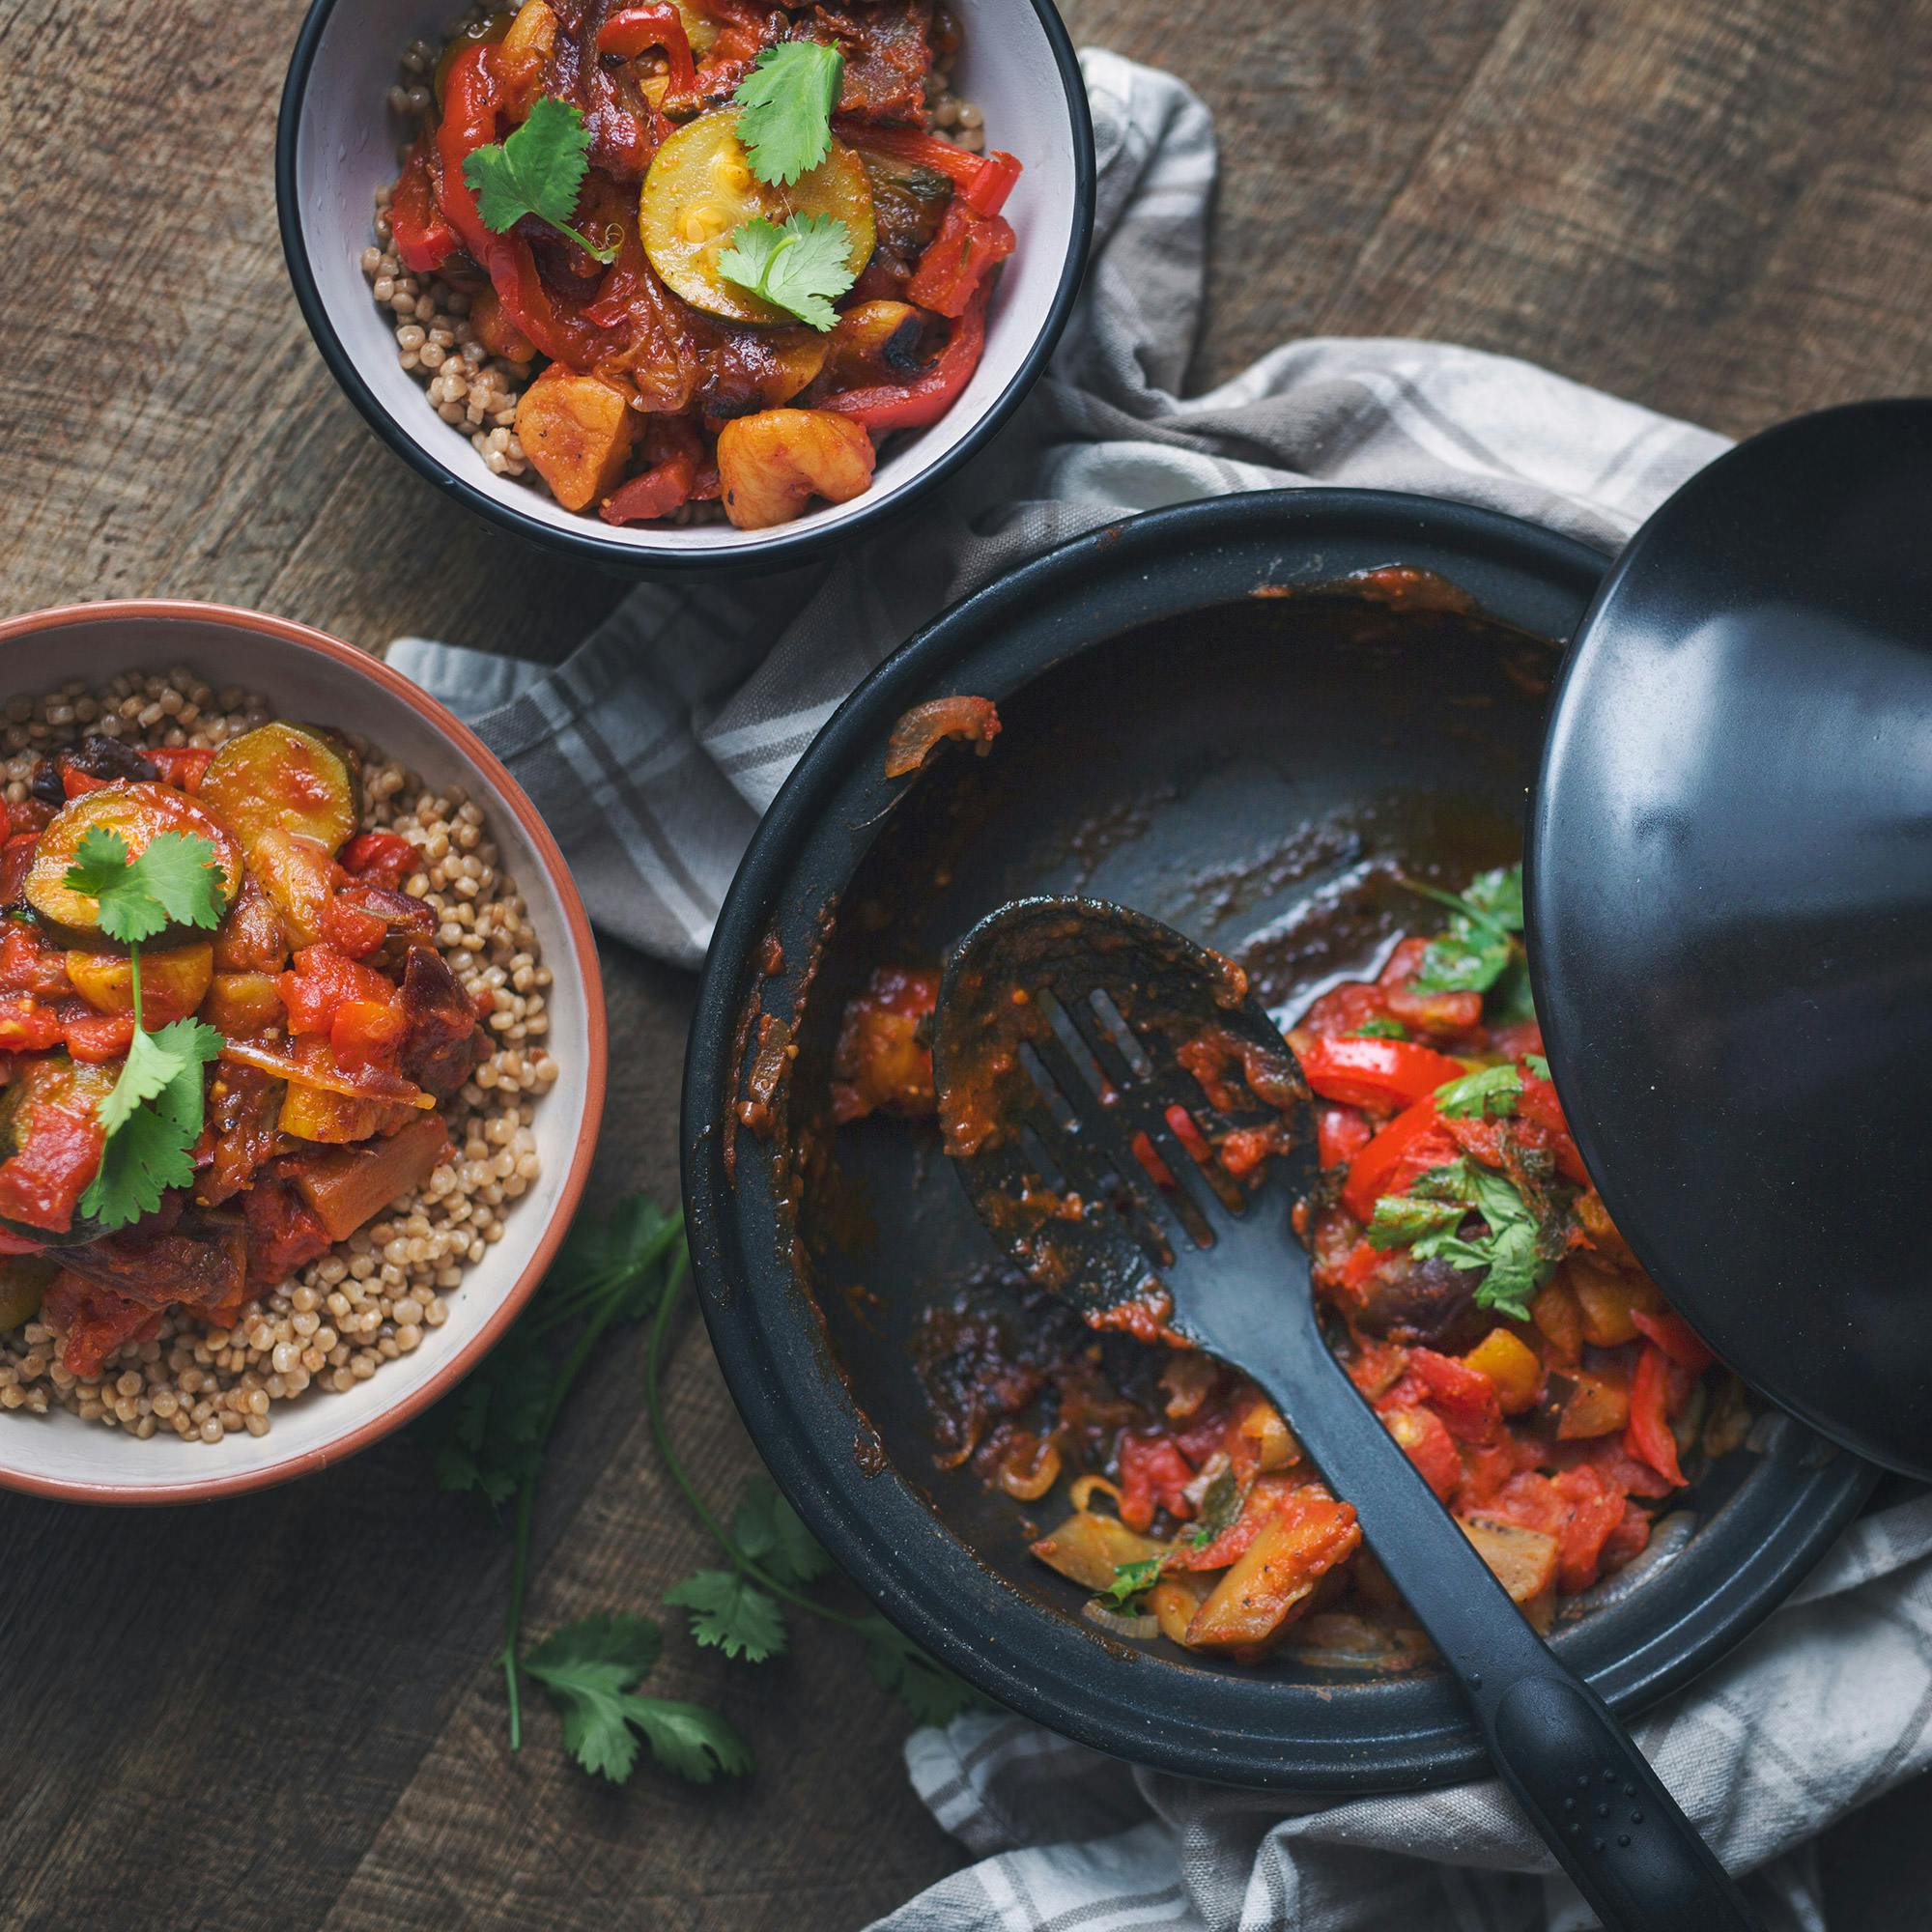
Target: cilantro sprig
490 1439
538 170
1430 1217
1131 1582
1479 950
800 266
785 103
152 1117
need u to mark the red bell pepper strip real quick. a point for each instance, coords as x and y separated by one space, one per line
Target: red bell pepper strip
983 181
1463 1396
1374 1072
637 29
1410 1145
987 191
1647 1435
1675 1337
423 235
470 104
958 260
930 394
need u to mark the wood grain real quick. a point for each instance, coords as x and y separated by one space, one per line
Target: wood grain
281 1712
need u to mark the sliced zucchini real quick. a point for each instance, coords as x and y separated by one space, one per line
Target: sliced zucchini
700 188
282 778
140 811
53 1095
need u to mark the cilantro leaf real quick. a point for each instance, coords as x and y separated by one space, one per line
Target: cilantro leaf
799 268
785 106
930 1691
488 1437
177 880
538 170
590 1670
1537 1065
1490 1089
1403 1218
1220 1508
1380 1027
769 1531
1428 1219
729 1612
138 1165
153 1116
1476 946
1131 1580
693 1740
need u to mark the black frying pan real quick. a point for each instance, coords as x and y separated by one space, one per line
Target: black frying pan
1248 765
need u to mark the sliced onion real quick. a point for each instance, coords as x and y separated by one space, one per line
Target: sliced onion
1084 1487
371 1085
1117 1622
1030 1484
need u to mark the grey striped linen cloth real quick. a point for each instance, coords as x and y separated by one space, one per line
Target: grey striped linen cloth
653 750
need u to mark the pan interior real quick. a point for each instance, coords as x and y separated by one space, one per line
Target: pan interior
1254 774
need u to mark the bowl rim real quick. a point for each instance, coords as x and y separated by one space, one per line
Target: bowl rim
149 610
1400 1732
759 551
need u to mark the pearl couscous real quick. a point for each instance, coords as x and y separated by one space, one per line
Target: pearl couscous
381 1290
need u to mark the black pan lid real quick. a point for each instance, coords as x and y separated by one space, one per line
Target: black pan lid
1729 895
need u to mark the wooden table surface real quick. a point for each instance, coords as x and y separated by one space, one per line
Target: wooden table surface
281 1712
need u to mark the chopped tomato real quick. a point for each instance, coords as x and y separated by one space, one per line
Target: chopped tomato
322 981
28 1027
1373 1072
367 1032
1593 1511
386 857
92 1321
1464 1397
1539 1104
1153 1472
1441 1013
16 858
1427 1443
352 929
1341 1133
183 766
29 964
40 1183
98 1037
1343 1009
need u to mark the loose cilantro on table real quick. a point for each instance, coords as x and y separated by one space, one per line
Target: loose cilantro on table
490 1441
591 1670
799 267
152 1117
538 170
785 103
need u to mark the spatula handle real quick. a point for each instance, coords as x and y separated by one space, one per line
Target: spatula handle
1584 1786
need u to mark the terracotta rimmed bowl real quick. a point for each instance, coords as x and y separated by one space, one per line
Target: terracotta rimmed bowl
337 143
306 674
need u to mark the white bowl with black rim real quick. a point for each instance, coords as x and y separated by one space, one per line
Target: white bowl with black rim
336 144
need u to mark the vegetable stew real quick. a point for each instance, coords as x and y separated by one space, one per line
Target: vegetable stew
693 259
1473 1286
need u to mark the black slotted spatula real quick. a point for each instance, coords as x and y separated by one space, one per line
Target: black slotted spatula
1066 1029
